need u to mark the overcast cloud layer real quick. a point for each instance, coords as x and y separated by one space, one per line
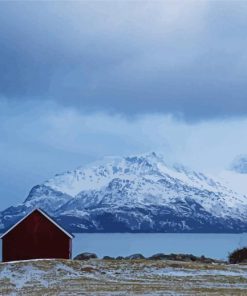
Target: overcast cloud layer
39 140
83 80
188 58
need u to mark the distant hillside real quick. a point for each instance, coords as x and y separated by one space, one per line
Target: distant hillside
138 194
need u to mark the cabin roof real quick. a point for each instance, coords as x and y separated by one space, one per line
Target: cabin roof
44 214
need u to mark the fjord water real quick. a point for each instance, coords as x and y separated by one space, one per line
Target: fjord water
123 244
217 245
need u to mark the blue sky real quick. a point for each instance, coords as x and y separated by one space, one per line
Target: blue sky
83 80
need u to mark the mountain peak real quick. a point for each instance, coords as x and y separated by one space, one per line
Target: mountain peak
151 157
139 193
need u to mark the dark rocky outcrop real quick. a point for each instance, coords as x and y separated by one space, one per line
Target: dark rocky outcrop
183 257
108 258
85 256
238 256
159 256
135 257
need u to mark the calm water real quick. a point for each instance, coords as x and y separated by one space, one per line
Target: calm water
123 244
210 245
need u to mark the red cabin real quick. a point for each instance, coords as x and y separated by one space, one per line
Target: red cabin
36 236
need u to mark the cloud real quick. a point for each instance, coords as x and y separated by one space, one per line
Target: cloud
84 79
41 139
175 57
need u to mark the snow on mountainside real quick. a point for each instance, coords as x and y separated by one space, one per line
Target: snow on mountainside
137 194
236 177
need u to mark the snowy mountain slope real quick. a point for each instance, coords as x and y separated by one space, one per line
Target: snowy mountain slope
236 181
236 176
139 193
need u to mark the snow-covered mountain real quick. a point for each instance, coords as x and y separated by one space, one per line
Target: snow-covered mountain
137 194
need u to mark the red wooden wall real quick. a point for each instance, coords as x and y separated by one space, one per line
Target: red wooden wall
35 237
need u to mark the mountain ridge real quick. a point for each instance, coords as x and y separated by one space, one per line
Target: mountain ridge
136 194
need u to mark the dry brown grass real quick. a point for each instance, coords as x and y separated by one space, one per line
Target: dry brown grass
125 277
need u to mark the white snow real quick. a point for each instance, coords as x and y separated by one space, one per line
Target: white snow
28 272
80 277
142 181
139 180
234 180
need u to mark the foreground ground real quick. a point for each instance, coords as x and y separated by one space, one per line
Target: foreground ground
121 277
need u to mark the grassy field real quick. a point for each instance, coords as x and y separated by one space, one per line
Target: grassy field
121 277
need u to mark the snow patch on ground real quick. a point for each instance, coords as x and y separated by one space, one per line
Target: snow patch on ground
120 277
